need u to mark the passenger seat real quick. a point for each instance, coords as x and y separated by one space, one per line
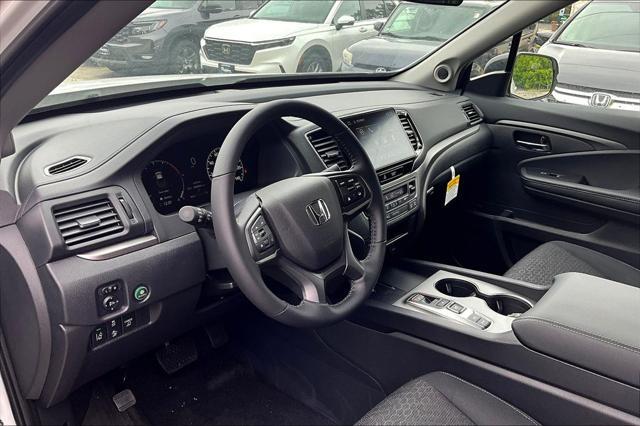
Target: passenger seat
558 257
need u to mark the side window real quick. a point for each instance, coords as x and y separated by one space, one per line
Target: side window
349 8
601 35
374 9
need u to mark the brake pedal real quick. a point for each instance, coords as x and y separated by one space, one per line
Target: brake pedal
174 356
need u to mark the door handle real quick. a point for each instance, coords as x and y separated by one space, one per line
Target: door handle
531 142
533 145
363 29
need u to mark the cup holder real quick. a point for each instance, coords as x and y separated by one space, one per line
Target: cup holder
504 305
456 288
508 306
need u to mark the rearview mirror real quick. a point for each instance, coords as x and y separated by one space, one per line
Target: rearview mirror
378 26
534 76
345 20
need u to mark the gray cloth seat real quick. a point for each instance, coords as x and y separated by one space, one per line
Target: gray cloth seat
557 257
443 399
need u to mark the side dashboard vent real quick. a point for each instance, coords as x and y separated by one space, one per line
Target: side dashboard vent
472 114
410 129
66 165
327 149
87 222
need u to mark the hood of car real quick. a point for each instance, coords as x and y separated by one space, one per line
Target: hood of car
596 68
256 30
153 13
390 53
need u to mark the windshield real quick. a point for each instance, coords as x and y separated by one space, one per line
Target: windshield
172 4
213 43
605 25
431 22
309 11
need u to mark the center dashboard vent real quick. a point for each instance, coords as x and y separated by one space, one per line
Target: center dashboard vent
471 112
327 149
66 165
410 129
87 222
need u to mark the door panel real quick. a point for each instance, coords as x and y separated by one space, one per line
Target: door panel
560 172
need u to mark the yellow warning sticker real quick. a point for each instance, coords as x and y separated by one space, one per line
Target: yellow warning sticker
452 190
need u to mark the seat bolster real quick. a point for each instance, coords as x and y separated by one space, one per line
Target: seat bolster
542 264
482 407
444 399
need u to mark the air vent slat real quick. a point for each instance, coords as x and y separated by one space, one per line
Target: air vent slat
64 218
93 235
78 231
410 130
327 149
66 165
86 222
83 207
472 114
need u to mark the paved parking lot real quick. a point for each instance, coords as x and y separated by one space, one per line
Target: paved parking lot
88 71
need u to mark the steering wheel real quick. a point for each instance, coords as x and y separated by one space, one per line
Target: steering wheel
298 226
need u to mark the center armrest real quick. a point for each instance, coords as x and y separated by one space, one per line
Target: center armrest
587 321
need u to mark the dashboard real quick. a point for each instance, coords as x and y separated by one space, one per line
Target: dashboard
142 163
181 174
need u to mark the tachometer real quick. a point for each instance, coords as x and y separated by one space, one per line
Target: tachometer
164 183
211 163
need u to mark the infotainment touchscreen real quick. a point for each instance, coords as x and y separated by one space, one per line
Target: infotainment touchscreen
382 136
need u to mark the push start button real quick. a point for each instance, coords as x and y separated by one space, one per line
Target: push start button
141 293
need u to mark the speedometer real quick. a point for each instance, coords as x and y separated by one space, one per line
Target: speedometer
211 163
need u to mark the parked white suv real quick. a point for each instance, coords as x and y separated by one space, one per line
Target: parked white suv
286 36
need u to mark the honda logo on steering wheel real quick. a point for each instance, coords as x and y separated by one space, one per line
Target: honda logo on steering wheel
318 212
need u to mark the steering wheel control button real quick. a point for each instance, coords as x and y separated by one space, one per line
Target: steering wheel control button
351 189
261 235
114 328
456 308
141 293
99 336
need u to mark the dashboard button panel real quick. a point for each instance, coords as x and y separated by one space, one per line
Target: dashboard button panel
117 327
401 201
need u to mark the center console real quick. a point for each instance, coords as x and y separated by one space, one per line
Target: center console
467 301
578 335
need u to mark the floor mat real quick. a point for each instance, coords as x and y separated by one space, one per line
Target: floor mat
217 389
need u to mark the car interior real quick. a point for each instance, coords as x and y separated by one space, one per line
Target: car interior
415 247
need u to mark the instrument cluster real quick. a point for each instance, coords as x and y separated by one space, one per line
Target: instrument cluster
181 175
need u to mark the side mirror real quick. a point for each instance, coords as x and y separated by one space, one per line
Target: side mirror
378 26
534 76
344 21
